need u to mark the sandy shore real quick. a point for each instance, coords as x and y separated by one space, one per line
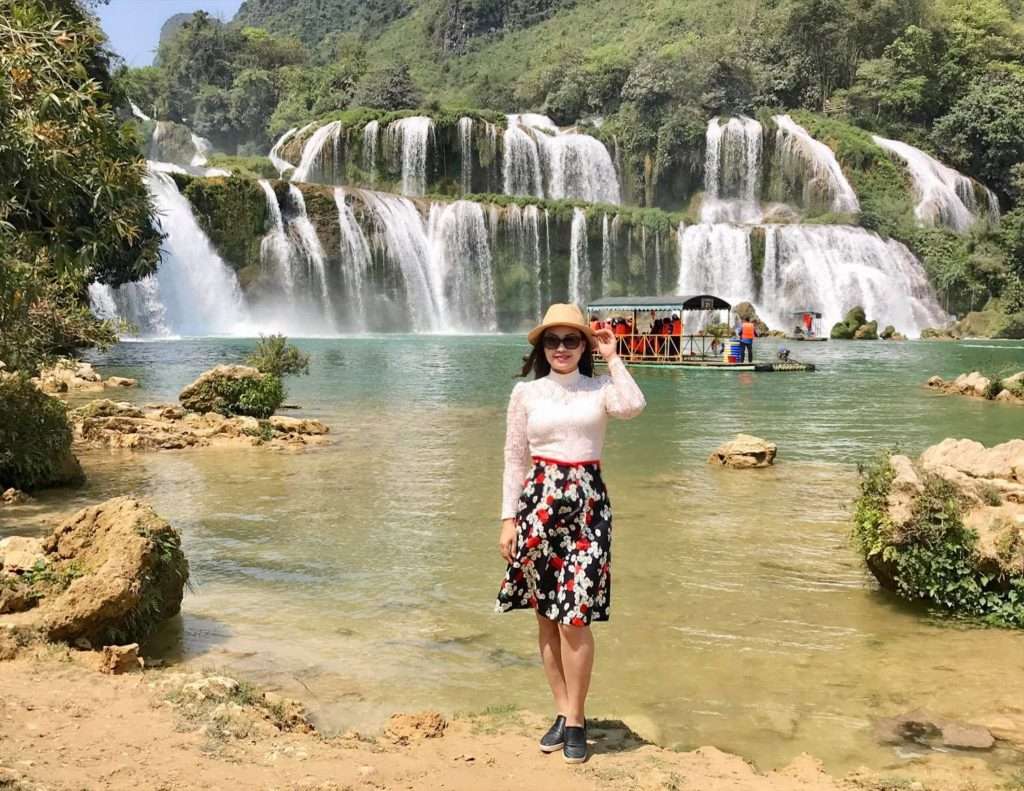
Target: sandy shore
65 726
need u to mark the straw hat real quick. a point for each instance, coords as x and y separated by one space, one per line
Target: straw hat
561 315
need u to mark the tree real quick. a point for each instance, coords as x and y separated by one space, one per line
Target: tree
983 133
77 209
391 88
251 101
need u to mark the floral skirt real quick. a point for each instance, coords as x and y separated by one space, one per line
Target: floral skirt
561 560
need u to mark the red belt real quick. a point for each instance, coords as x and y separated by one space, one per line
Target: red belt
545 460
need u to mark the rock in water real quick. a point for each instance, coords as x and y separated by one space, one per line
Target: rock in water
948 527
745 452
203 394
115 571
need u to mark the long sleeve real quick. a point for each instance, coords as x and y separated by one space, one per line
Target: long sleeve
622 396
517 453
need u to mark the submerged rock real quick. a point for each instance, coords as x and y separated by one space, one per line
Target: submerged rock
108 573
923 728
14 496
745 452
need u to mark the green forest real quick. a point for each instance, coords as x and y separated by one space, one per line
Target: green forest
944 75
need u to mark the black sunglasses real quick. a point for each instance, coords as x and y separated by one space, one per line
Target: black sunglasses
570 342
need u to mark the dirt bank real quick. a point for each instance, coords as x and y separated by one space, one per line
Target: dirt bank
65 726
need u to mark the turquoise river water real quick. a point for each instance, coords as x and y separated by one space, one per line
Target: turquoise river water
360 576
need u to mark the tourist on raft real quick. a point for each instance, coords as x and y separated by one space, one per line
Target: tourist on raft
556 519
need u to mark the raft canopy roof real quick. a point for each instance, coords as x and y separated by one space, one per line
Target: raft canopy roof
802 312
695 302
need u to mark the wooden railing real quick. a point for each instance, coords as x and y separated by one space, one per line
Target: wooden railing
645 347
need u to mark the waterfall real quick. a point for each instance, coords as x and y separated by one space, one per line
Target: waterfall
275 246
579 263
465 130
408 139
274 156
575 165
547 254
832 268
533 121
313 152
401 234
193 292
657 262
138 113
371 132
579 166
355 256
732 171
524 232
945 196
462 261
138 303
606 255
312 251
203 147
716 259
811 164
521 166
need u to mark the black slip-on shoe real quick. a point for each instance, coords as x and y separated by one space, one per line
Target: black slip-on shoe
554 739
575 750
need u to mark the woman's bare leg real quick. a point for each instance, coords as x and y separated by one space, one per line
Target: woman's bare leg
551 654
577 663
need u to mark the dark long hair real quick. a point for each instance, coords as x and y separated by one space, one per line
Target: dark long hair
537 361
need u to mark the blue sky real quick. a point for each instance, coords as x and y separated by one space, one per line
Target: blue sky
133 26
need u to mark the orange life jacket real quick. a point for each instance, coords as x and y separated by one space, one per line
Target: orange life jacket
677 326
748 331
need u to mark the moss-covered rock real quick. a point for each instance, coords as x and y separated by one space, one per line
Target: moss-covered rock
233 213
234 390
867 332
948 528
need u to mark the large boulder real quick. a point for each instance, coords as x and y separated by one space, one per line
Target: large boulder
744 452
745 311
855 326
948 527
108 574
234 390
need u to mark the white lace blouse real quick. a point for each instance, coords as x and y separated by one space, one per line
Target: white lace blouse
562 417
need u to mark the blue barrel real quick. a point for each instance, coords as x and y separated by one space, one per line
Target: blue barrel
736 349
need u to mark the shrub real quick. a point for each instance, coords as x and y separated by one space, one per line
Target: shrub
35 437
933 557
273 355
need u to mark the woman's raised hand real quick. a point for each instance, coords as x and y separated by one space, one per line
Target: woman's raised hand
605 343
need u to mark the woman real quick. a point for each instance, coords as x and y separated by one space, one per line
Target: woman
556 519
